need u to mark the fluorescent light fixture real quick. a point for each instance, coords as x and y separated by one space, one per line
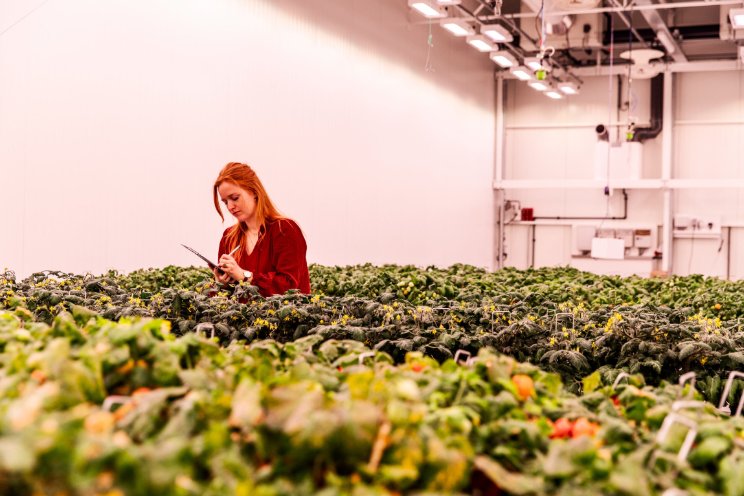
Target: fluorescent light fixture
497 33
521 73
737 18
666 40
480 43
538 85
458 27
533 63
504 59
448 2
568 88
555 95
427 8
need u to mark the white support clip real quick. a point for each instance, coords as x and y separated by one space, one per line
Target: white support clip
465 354
723 405
620 377
555 321
688 377
366 354
676 418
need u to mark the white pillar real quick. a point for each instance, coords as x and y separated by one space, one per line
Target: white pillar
498 176
667 138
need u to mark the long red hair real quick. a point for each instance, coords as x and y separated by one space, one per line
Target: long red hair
245 178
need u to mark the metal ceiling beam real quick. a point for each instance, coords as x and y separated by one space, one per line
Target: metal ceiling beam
705 66
633 8
662 32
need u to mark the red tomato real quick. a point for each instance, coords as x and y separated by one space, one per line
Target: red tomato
562 428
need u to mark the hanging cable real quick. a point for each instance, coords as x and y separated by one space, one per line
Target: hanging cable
609 143
609 107
542 26
546 52
630 61
429 67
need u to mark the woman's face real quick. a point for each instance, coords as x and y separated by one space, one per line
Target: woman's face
239 202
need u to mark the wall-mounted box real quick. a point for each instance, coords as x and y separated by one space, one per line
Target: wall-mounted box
626 235
642 238
696 226
639 241
608 248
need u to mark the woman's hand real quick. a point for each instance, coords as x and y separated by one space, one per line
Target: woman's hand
232 271
220 276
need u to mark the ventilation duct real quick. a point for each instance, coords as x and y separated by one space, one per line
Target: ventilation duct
657 112
583 29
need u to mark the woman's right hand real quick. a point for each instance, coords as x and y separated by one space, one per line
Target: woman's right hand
220 276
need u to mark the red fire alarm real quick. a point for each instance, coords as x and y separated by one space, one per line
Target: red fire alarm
528 214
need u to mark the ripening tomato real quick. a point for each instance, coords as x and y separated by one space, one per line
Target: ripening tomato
525 386
38 376
583 427
417 366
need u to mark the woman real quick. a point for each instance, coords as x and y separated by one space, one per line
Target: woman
270 248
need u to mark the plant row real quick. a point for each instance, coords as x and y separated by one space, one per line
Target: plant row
91 406
571 338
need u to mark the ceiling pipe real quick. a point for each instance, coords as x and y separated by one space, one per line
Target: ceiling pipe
642 134
635 8
701 66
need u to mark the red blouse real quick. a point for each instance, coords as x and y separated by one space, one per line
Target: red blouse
278 260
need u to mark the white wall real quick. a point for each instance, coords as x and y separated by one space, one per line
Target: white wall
708 144
556 139
116 116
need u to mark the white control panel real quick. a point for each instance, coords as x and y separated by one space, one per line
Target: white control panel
697 226
638 241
